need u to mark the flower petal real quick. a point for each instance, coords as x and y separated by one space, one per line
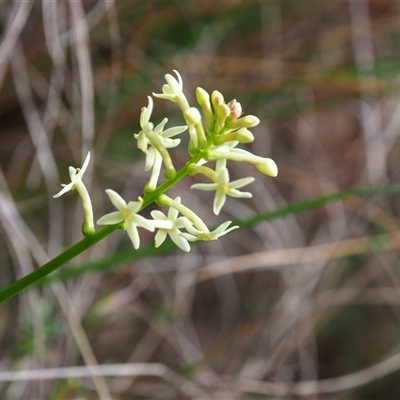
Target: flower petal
85 165
134 206
205 186
133 234
162 224
241 182
118 202
160 237
176 130
150 157
111 218
146 113
238 194
157 214
143 222
65 189
189 237
219 201
179 240
72 173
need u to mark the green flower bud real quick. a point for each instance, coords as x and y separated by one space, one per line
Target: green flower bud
242 135
203 98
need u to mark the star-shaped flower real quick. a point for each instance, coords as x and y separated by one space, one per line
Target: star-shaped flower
223 187
170 225
194 234
154 142
76 175
146 125
164 139
126 213
173 90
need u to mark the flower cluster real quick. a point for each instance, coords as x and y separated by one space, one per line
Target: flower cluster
214 137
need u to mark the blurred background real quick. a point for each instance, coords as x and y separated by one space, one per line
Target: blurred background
303 307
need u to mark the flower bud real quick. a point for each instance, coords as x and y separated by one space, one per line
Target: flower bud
236 109
217 99
244 136
222 113
249 121
196 131
203 98
268 167
192 116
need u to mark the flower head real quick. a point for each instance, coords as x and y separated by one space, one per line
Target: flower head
170 225
127 213
223 187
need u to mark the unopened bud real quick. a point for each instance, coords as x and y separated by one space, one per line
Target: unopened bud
268 167
222 112
236 109
203 98
244 136
249 121
217 99
192 116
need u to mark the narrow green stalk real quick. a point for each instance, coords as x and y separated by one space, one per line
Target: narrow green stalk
307 205
87 242
56 262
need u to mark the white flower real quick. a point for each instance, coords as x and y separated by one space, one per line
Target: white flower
126 213
173 90
76 175
146 126
159 141
194 234
223 187
164 140
170 225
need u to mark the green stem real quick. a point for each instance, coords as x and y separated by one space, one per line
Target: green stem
88 241
56 262
97 265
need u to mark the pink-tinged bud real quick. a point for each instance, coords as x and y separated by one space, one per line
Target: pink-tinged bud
236 109
268 167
